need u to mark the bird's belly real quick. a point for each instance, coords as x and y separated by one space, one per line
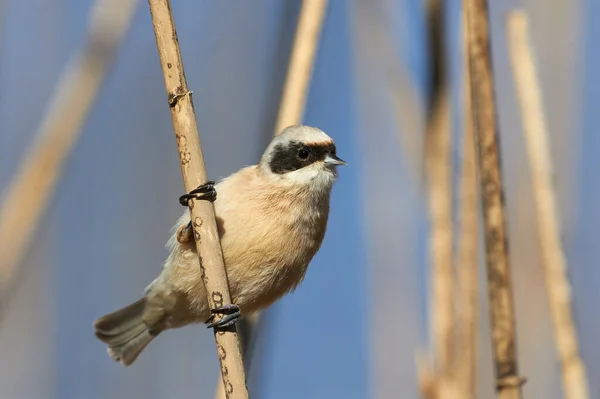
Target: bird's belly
254 289
264 260
264 270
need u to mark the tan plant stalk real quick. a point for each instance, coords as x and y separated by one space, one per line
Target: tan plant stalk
302 60
434 377
458 380
464 370
201 212
501 303
293 100
438 165
407 101
246 332
31 190
440 242
529 95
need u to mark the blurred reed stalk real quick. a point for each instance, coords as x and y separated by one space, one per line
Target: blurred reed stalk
201 212
501 303
408 102
29 194
459 377
410 106
438 171
434 379
464 366
537 141
456 351
438 162
302 60
291 112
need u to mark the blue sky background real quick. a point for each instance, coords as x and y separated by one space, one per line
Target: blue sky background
354 326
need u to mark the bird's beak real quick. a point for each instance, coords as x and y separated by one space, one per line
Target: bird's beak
331 159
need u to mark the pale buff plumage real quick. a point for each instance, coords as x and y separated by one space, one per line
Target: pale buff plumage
270 225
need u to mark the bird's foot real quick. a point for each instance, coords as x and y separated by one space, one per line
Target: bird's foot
232 312
204 191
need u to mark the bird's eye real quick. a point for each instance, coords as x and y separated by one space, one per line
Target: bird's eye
302 154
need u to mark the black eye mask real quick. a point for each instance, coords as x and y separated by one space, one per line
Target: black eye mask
295 155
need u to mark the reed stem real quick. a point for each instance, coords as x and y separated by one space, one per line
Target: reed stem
201 212
499 280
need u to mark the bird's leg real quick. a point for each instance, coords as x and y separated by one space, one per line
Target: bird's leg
204 192
233 316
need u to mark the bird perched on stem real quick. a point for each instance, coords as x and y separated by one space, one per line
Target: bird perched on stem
271 219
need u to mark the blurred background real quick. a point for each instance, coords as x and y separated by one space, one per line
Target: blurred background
362 325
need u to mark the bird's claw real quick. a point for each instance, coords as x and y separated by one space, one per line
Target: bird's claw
204 191
233 315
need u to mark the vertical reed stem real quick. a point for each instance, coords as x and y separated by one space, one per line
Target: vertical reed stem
201 212
465 367
29 193
304 50
529 94
438 160
500 293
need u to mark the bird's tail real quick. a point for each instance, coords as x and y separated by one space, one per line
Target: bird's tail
125 332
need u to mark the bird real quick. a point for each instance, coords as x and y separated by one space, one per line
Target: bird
271 219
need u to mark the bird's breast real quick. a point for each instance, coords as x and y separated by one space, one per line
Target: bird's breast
267 245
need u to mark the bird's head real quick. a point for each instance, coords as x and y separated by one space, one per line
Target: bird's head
302 156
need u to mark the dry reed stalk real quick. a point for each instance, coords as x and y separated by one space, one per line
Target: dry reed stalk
501 303
438 160
30 192
293 101
457 380
434 379
201 212
529 94
304 50
246 333
407 100
464 370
